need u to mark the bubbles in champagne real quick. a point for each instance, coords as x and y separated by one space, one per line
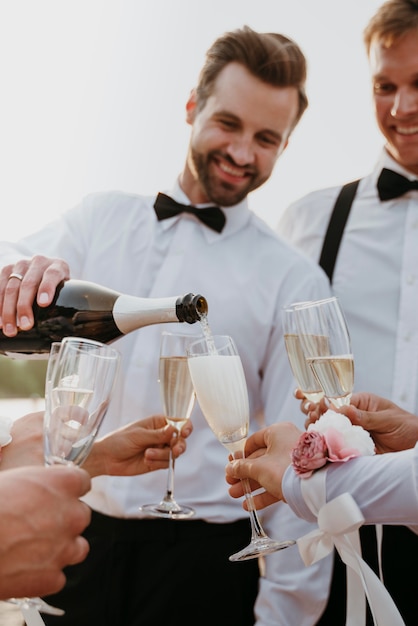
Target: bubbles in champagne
204 324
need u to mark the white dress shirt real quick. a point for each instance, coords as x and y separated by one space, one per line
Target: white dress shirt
384 486
375 279
247 274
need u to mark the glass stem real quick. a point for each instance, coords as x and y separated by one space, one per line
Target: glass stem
170 478
169 494
257 531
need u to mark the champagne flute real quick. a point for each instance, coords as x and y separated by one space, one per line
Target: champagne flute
53 354
77 394
302 372
325 341
221 390
29 606
178 398
78 385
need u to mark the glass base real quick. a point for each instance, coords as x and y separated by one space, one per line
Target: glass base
168 510
257 547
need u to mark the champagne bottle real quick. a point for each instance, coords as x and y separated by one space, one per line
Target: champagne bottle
85 309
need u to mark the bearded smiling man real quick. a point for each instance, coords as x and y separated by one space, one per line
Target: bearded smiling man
143 571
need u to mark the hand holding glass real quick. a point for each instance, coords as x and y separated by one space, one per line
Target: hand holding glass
326 345
77 395
221 390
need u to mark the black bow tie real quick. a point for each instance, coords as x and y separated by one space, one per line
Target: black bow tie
212 216
392 185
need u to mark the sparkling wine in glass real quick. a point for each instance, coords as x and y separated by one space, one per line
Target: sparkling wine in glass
326 345
78 390
221 390
178 398
302 372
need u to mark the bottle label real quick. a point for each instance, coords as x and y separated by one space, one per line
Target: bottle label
131 312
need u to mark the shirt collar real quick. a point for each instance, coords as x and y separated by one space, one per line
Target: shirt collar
385 160
237 216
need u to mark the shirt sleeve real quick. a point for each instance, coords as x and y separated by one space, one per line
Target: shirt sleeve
59 238
384 487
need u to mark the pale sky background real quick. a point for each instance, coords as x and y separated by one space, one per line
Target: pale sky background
93 95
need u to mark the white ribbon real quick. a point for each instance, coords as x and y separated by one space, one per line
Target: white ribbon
32 616
31 609
338 524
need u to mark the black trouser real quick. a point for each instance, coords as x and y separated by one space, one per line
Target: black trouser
157 573
399 558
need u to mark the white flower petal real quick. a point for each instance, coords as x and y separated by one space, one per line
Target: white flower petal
5 427
354 436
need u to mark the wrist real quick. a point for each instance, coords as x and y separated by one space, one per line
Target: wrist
94 462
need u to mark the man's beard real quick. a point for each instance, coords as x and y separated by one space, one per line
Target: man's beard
221 193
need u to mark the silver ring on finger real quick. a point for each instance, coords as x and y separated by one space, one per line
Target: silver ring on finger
15 275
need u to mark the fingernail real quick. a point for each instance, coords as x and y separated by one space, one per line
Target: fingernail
24 323
43 298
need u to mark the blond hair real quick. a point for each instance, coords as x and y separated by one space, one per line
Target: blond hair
392 20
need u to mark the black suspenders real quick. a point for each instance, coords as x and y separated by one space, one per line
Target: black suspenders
336 226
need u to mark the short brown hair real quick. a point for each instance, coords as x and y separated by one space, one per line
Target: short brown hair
271 57
392 20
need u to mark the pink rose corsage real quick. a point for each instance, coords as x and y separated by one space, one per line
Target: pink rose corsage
330 439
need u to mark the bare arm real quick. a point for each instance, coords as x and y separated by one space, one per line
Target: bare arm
139 447
26 447
136 448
